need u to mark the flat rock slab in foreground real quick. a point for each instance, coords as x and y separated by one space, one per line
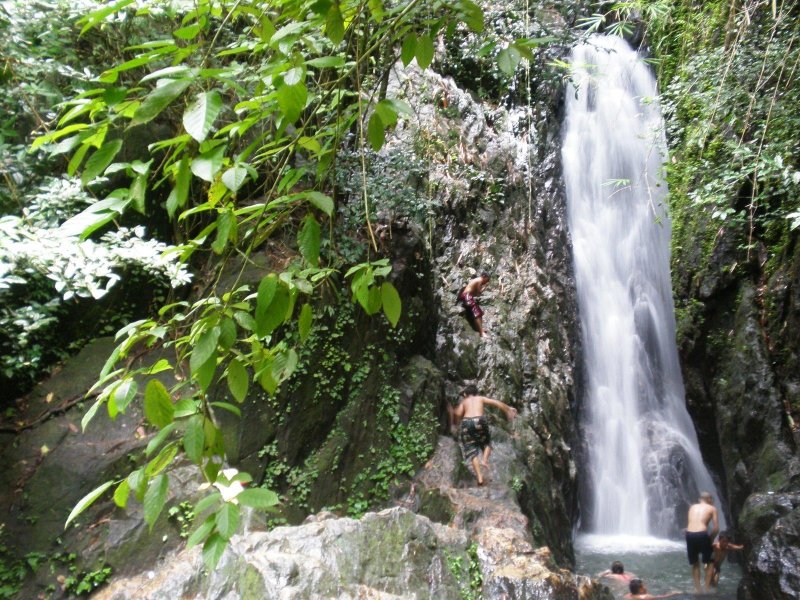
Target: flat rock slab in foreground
391 554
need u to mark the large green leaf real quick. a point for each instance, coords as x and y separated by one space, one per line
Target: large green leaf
408 49
508 59
122 493
392 306
321 201
375 132
234 177
334 24
275 314
238 380
158 100
227 519
199 117
87 501
95 216
98 161
387 111
258 498
213 549
292 100
304 322
207 165
159 438
158 406
194 438
205 346
308 239
154 498
264 296
201 533
162 461
424 51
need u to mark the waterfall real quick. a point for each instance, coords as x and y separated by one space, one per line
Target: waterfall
644 463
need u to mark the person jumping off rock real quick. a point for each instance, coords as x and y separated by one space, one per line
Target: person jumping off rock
467 297
473 433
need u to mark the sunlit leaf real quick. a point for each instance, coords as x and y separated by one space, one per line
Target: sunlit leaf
154 498
199 117
158 100
158 406
87 501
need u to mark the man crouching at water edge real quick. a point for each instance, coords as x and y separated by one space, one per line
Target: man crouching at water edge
698 540
473 433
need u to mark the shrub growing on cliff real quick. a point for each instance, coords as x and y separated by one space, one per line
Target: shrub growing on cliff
254 103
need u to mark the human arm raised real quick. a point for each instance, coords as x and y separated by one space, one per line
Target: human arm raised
510 411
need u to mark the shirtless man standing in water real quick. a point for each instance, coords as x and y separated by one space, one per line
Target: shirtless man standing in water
698 540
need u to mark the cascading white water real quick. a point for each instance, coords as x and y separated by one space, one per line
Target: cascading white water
644 462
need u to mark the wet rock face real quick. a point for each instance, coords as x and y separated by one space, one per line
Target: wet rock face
773 564
740 360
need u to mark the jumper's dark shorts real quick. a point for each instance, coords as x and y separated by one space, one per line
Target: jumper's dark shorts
698 542
474 436
469 303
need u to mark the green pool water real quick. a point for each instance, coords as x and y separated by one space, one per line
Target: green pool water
660 563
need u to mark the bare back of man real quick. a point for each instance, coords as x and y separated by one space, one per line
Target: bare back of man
474 429
698 539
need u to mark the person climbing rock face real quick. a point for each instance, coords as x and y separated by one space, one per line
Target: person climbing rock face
473 433
467 297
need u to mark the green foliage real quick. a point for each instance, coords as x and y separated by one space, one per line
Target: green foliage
468 576
735 147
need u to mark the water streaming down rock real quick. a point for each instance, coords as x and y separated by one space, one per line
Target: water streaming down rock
644 464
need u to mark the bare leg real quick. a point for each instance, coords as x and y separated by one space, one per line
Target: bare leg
709 576
696 576
479 325
477 466
486 452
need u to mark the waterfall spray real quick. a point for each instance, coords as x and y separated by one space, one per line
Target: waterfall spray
644 463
